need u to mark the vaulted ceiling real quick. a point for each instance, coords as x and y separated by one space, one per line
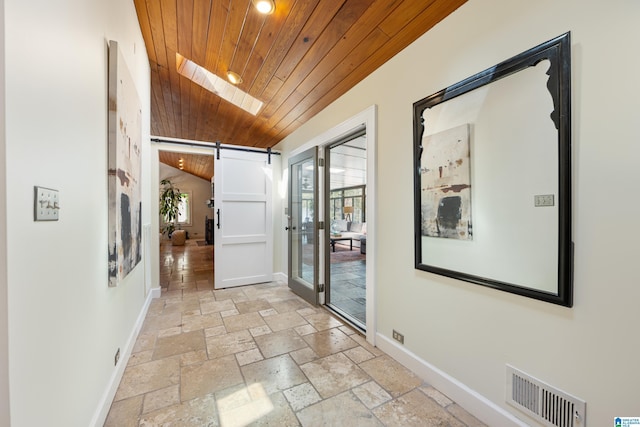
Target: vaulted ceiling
196 164
296 61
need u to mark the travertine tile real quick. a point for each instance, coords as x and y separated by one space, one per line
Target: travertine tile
279 343
301 396
462 415
391 375
347 330
145 341
229 313
415 409
288 305
215 331
232 343
252 406
440 398
198 412
323 321
165 321
243 321
192 357
280 416
276 374
229 380
358 354
124 413
329 342
169 295
181 285
208 377
204 321
305 329
280 322
342 410
371 394
170 332
147 377
179 344
235 294
161 398
213 306
304 355
260 330
141 357
363 342
182 306
268 312
156 306
252 306
334 374
307 311
249 356
242 405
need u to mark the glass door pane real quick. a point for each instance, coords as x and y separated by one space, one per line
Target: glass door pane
303 242
345 276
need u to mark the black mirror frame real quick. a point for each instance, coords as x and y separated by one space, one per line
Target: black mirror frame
558 52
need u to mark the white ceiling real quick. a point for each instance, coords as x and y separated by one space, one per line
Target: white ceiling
348 163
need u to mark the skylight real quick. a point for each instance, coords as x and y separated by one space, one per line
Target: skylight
217 85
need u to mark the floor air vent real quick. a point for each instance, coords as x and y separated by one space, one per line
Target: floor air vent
542 402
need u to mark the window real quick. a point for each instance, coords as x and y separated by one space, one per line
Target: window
307 206
184 209
352 196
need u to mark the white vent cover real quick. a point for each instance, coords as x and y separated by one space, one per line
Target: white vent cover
550 406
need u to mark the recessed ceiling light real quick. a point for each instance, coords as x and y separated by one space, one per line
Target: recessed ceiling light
234 77
264 6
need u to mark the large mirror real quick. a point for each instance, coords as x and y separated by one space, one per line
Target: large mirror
492 161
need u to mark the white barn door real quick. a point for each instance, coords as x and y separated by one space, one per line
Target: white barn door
243 243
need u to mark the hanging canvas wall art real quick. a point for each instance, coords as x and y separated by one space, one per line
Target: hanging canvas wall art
125 201
446 184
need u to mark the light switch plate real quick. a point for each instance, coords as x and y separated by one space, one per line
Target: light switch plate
46 204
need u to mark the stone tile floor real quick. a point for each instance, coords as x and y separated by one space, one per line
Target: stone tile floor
259 355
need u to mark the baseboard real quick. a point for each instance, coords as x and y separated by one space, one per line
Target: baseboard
280 277
476 404
100 416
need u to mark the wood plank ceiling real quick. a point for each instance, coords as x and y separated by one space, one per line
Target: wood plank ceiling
195 164
297 60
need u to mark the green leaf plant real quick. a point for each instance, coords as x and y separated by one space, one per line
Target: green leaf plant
170 198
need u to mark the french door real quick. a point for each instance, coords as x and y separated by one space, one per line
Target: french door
303 225
243 228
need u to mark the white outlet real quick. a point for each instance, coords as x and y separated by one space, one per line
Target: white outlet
46 204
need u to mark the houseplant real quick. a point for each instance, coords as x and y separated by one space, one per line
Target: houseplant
170 197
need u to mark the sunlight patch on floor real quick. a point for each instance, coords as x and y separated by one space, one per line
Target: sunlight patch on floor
244 406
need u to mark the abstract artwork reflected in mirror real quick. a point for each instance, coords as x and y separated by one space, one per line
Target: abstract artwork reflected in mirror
446 184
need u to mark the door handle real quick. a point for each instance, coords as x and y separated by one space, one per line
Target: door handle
286 228
218 215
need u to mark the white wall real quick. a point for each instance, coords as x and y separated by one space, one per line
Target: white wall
4 332
200 190
468 331
65 323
